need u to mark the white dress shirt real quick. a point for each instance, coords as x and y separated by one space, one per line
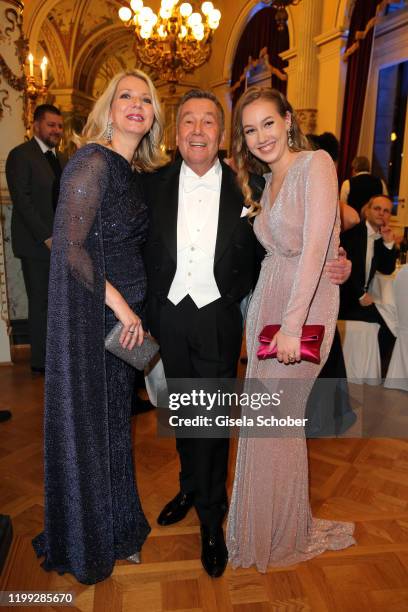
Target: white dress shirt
44 147
197 224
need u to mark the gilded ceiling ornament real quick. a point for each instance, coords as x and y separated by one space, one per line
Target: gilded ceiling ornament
281 14
4 95
15 20
16 82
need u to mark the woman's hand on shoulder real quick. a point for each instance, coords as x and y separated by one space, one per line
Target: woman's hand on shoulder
287 347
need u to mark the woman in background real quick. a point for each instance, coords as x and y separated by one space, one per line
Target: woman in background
328 142
329 410
93 514
297 222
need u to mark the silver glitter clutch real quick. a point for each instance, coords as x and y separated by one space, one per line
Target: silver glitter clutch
139 357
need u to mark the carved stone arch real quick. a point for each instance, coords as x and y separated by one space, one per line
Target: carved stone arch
236 32
35 14
116 56
79 16
38 26
56 55
92 54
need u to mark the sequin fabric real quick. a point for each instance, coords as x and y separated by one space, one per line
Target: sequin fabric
93 514
270 521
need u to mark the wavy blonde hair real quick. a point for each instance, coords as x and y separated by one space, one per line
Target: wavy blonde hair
149 155
245 161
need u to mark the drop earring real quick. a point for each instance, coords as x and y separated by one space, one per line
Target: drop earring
290 139
108 132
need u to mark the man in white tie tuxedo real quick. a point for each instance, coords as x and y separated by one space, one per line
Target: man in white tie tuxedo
202 259
370 247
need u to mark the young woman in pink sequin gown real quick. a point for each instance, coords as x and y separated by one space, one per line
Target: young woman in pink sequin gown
297 222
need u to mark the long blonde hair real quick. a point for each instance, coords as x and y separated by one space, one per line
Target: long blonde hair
149 155
247 163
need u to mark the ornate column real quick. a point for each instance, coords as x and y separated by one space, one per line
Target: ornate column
170 104
332 70
307 65
222 90
12 82
291 56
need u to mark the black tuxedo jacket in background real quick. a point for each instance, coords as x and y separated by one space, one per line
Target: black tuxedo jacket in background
31 183
355 243
363 187
236 253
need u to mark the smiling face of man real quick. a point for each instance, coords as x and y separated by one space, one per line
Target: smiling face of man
199 134
49 129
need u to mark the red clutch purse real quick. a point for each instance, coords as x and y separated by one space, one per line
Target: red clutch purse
310 342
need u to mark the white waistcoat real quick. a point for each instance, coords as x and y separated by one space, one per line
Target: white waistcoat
197 225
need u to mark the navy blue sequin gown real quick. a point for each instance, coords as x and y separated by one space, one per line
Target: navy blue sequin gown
93 514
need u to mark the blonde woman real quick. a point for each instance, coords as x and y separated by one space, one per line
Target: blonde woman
93 514
270 521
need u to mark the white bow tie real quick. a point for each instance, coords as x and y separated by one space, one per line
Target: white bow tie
192 182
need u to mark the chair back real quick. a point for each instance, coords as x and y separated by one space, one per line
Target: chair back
401 297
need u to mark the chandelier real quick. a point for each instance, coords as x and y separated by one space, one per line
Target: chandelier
174 42
281 14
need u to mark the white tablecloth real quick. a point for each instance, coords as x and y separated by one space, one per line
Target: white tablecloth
382 291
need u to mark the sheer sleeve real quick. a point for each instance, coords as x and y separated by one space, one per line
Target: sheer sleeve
82 190
76 405
321 213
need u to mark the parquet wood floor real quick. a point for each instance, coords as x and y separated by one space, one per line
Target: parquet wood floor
365 481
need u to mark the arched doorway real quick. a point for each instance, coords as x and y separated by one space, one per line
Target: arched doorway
257 56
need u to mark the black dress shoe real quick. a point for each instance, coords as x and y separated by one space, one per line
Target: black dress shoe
140 406
176 509
6 537
35 370
5 415
214 553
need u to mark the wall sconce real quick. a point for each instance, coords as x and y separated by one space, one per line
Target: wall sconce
36 89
